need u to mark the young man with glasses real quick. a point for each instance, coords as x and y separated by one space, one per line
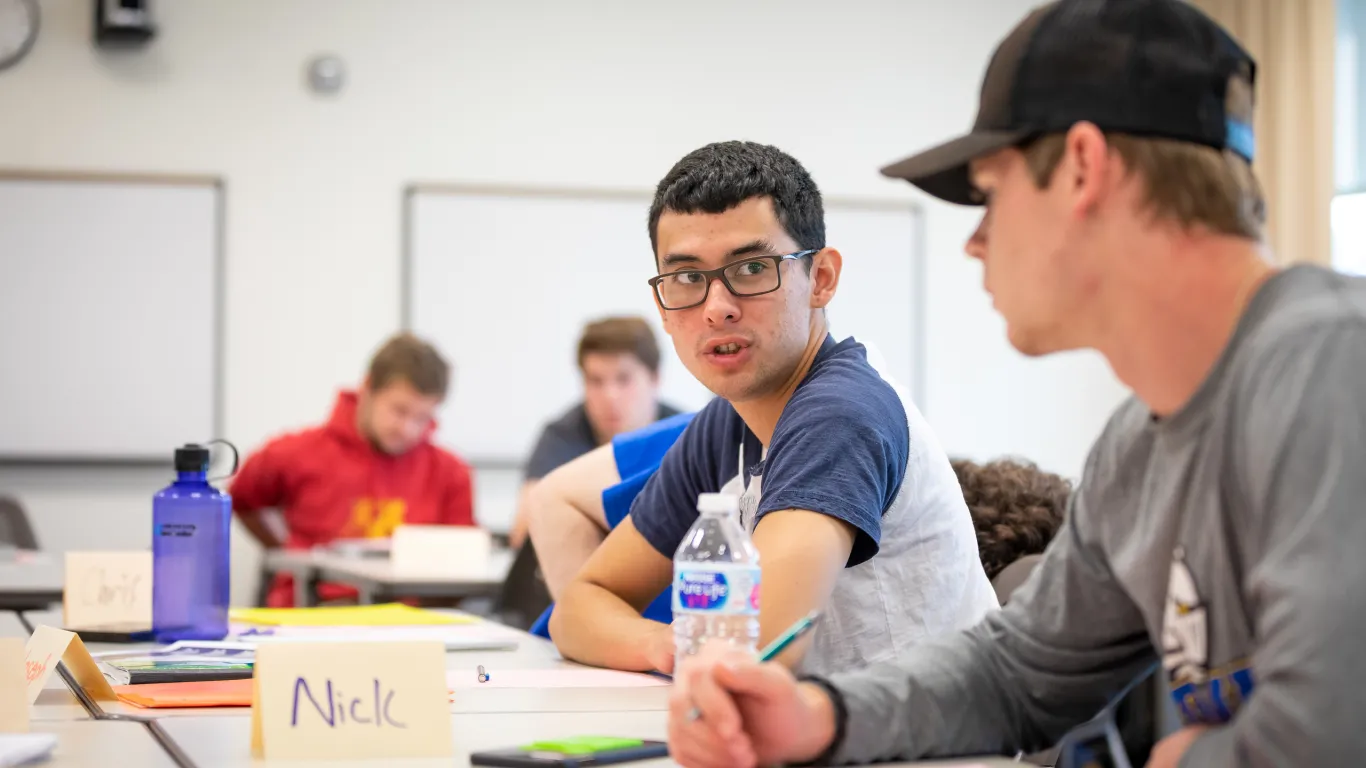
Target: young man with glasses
1216 534
853 505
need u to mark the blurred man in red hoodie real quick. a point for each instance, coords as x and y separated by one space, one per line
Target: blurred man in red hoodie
370 468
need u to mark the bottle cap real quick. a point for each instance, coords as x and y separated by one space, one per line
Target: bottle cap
718 503
192 457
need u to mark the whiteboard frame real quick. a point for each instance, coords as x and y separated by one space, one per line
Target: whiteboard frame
219 187
912 208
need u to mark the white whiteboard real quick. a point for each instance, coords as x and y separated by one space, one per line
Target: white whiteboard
503 281
109 306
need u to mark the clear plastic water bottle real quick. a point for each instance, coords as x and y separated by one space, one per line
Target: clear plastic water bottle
190 553
716 581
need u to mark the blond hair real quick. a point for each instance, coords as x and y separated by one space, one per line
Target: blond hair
1189 183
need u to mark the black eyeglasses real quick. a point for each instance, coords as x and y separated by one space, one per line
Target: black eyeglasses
688 288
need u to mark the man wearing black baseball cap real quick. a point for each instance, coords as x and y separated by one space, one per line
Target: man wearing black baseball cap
1218 528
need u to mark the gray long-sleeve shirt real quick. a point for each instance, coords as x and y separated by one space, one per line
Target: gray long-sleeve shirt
1228 540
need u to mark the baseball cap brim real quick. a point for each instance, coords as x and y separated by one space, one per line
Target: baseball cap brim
942 171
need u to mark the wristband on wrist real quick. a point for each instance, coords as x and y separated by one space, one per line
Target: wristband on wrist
841 718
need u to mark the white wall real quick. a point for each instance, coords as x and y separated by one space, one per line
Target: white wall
593 93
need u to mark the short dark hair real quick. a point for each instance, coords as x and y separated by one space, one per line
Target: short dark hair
621 336
720 176
405 357
1016 508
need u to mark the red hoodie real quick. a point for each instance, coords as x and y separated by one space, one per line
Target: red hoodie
330 483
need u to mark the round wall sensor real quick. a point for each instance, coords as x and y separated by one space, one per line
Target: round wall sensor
326 74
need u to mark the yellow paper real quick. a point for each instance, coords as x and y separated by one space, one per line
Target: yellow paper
350 701
13 703
107 589
49 645
386 615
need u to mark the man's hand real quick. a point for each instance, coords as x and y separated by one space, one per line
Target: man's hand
728 710
1168 752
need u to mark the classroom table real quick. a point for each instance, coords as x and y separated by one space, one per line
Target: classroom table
32 581
531 653
81 744
374 577
482 718
11 626
297 563
215 742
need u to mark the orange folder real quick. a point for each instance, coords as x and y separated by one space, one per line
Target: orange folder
210 693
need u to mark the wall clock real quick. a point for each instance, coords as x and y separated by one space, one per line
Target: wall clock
18 30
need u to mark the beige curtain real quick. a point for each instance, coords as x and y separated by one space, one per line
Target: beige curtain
1293 42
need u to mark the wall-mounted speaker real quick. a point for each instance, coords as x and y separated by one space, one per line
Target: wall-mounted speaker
124 23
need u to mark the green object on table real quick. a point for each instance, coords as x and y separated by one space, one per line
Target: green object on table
583 745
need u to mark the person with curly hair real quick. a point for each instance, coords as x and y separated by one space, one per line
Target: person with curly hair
1016 508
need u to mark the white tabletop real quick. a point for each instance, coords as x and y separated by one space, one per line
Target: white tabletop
221 742
482 718
33 580
531 653
10 626
215 742
89 743
375 576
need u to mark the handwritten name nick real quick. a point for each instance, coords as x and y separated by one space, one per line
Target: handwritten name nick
335 706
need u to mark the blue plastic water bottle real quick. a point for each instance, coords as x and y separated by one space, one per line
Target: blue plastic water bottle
190 553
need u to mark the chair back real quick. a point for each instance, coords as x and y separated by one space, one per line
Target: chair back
15 529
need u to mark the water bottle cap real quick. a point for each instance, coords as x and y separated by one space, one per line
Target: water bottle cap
192 457
718 503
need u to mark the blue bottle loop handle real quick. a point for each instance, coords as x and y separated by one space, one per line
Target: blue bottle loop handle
236 460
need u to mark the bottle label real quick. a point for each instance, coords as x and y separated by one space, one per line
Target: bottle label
712 589
175 529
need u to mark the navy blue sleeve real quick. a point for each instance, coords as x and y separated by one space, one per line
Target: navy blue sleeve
840 449
666 507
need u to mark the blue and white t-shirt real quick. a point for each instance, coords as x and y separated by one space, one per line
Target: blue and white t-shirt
852 445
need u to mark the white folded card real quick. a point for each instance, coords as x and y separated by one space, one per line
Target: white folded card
442 551
107 589
13 686
339 701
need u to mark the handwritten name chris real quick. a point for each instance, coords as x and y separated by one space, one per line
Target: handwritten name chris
100 587
337 709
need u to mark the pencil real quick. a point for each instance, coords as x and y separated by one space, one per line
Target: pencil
789 637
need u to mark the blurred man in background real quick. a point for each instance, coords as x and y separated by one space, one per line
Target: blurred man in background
369 469
619 360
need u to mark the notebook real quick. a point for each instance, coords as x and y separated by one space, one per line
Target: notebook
184 661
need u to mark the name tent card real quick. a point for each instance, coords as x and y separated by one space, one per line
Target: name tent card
107 589
440 551
13 702
50 645
348 700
